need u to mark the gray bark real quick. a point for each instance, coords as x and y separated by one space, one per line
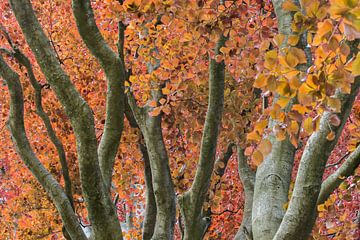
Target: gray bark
115 72
160 171
150 210
101 211
23 148
191 203
150 205
247 177
273 176
335 179
298 220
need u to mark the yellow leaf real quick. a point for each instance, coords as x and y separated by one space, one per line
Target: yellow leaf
166 91
324 28
279 39
294 127
260 126
261 81
290 6
293 40
225 50
321 208
253 136
356 66
270 59
283 101
308 125
257 158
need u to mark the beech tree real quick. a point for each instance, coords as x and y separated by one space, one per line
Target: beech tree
190 86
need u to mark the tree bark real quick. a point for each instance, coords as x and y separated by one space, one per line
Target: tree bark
335 179
273 176
298 220
160 171
23 148
115 72
101 211
247 177
191 203
150 210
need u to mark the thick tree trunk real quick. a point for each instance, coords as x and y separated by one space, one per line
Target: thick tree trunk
273 176
161 180
160 171
299 220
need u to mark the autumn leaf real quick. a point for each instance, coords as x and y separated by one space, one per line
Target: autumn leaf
331 136
289 5
265 147
356 66
155 112
257 158
308 125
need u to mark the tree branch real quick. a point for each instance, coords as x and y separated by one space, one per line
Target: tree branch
335 179
191 202
114 67
101 211
23 148
23 60
247 177
299 218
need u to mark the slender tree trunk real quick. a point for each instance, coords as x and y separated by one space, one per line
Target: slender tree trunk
150 210
191 203
247 177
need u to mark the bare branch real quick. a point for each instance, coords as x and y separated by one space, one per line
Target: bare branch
247 177
99 205
23 148
335 179
114 67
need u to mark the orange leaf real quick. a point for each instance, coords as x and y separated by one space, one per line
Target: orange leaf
257 158
155 112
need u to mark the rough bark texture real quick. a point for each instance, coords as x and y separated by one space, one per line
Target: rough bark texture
23 148
46 120
148 225
273 176
101 211
191 203
247 177
116 74
160 171
335 179
150 210
298 220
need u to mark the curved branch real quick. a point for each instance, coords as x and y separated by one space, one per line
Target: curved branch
115 72
23 148
191 202
335 179
23 60
247 177
299 218
101 211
